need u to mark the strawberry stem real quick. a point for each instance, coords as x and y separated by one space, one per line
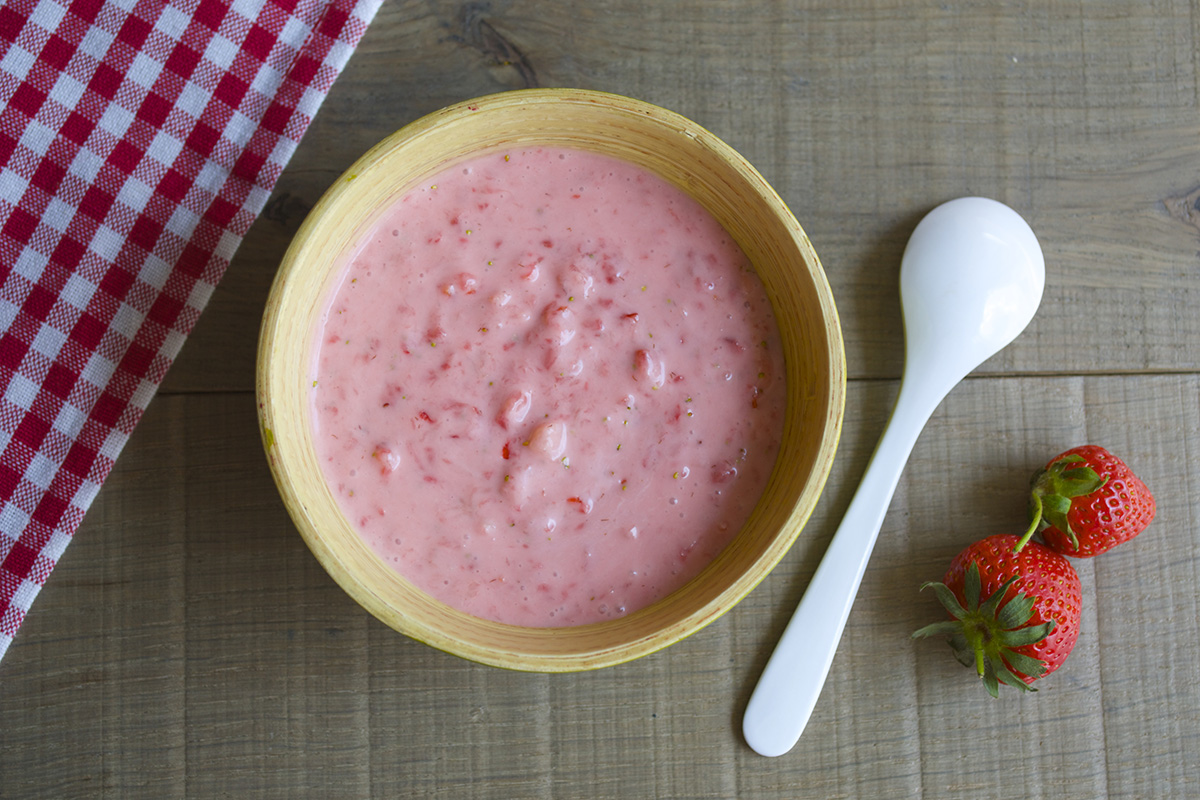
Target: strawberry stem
975 640
1035 515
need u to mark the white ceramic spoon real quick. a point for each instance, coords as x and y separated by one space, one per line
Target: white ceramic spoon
971 279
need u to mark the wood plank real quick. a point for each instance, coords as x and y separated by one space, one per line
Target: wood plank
276 683
1146 590
189 644
863 117
93 700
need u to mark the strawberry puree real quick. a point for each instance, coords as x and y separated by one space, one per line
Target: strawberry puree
549 388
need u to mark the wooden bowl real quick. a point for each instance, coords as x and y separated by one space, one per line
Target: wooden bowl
684 154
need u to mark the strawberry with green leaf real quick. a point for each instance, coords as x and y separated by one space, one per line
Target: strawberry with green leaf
1015 610
1086 501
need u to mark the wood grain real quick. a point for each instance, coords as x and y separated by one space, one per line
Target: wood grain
191 645
188 645
862 118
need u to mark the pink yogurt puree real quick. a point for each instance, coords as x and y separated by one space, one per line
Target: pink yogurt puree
549 387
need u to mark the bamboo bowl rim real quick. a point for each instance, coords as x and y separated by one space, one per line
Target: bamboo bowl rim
653 138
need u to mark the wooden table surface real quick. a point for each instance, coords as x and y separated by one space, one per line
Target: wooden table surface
189 645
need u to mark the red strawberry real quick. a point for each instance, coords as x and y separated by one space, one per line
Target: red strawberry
1016 612
1086 502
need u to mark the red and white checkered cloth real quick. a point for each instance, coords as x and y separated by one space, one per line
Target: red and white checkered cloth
138 141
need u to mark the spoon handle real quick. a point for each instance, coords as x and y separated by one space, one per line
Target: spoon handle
786 693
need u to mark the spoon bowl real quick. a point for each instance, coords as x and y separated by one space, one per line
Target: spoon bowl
971 279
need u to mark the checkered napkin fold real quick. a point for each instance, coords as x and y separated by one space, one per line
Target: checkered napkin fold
138 141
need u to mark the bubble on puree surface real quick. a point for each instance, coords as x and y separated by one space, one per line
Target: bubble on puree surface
548 389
